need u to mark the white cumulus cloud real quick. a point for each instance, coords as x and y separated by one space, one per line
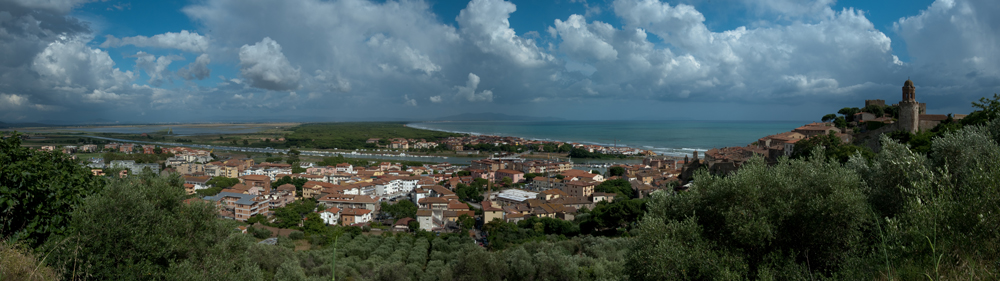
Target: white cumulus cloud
184 40
266 67
197 70
408 101
70 63
485 23
155 67
469 90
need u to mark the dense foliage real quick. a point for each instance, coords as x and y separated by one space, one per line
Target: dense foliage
401 209
223 182
355 135
619 187
37 190
898 215
835 148
139 228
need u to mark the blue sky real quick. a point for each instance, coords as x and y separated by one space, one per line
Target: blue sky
349 60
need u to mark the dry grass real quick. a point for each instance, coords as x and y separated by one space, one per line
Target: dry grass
19 263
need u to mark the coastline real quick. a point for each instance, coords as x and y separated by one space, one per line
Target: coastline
660 151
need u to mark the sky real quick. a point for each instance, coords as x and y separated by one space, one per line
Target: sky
83 61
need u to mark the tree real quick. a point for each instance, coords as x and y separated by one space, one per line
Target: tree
313 224
620 187
246 142
799 217
616 171
297 182
849 112
38 189
989 109
840 122
401 209
223 182
291 215
466 222
506 181
829 117
138 228
877 110
462 173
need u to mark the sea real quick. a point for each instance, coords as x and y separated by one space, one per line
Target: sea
671 138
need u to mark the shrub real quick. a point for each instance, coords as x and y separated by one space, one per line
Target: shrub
19 263
296 235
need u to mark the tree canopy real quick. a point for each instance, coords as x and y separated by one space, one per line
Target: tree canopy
38 189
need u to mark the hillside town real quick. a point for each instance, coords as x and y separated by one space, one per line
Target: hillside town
857 125
506 187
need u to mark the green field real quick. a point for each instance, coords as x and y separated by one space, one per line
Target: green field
354 135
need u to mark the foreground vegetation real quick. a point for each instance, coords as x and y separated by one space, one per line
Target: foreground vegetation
897 214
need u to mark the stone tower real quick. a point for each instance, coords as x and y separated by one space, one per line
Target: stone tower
909 109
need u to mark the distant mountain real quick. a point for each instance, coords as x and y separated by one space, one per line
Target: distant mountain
490 116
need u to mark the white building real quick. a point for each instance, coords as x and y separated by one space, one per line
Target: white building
330 216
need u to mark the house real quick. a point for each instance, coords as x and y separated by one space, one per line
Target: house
579 188
311 189
345 168
515 176
550 194
426 219
452 216
814 129
435 203
197 182
402 224
514 196
515 217
190 168
290 188
352 216
491 213
239 206
345 201
574 174
189 188
330 216
455 205
280 199
257 181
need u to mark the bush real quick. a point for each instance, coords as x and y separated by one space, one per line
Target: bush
19 263
296 235
139 228
260 233
767 220
38 189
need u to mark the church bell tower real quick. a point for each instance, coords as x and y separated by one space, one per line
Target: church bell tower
909 109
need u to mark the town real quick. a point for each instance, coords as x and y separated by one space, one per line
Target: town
502 186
